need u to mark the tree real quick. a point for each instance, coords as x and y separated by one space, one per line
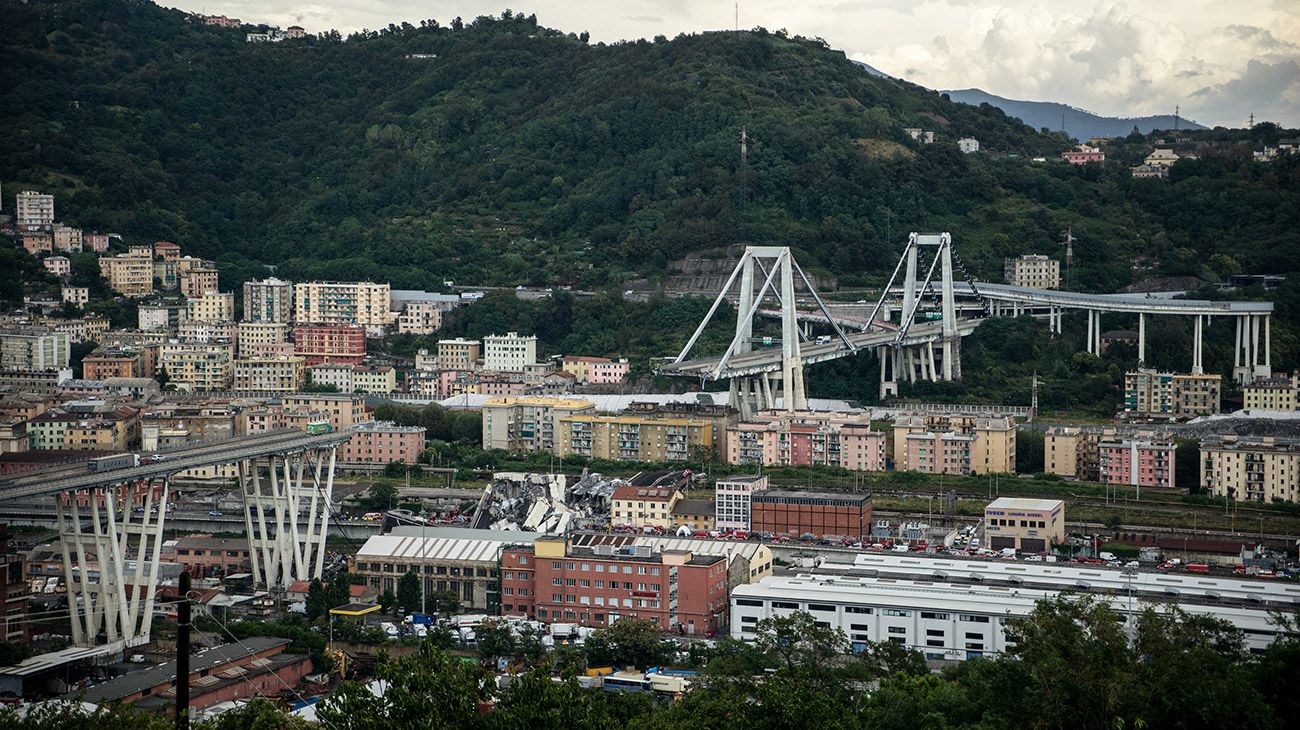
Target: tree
382 496
317 600
444 602
408 592
628 642
495 639
387 602
427 689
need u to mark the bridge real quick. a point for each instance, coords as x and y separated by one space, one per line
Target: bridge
934 312
116 520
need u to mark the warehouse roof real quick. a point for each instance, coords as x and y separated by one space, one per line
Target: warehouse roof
1045 505
443 544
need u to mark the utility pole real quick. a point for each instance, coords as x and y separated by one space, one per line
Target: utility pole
183 654
1033 397
1069 255
1176 109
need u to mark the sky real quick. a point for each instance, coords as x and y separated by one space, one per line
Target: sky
1218 60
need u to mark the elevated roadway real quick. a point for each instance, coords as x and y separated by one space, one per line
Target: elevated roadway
768 360
77 476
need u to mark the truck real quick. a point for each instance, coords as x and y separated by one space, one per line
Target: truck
109 463
319 427
563 631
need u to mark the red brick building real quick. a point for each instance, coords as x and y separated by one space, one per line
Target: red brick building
555 581
256 666
820 513
330 343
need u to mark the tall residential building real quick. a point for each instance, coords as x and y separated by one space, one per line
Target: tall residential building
509 353
955 445
361 303
1033 270
198 366
1152 394
383 442
420 318
633 437
34 349
379 379
211 307
807 438
1278 392
199 281
527 423
129 274
1072 452
1136 461
268 300
1253 469
330 343
459 354
254 337
270 374
160 316
34 211
732 500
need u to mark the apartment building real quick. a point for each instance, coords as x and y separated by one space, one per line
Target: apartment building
339 376
1253 469
379 379
509 353
330 343
1032 270
160 316
733 500
34 349
528 423
633 437
807 438
67 238
821 515
252 338
37 243
383 442
77 296
206 330
341 409
196 366
107 363
206 556
111 430
59 266
595 370
212 306
459 354
977 445
695 514
361 303
643 506
1136 461
270 374
1026 525
600 584
268 301
129 274
199 281
33 211
1152 394
1072 452
420 318
1278 392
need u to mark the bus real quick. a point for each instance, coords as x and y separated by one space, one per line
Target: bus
625 682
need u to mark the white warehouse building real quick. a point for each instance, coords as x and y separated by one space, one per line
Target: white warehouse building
950 621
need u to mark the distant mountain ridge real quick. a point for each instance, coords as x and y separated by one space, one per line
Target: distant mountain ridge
1078 123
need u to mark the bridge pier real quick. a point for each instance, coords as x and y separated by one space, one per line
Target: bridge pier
1142 339
284 545
117 601
1197 334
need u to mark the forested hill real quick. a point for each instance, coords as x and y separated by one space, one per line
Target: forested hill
500 152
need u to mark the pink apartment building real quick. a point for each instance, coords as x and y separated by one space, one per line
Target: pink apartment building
1138 463
806 439
1083 154
595 370
330 343
382 442
936 452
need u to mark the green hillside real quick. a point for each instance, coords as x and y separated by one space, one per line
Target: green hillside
498 152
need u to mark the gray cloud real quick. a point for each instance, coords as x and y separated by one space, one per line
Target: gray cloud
1270 91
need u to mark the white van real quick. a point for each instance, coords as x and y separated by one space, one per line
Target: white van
390 630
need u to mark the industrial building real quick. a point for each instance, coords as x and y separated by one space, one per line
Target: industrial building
823 515
1026 525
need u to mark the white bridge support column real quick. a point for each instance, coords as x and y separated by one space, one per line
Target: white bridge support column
115 597
1142 338
1242 358
287 526
1197 334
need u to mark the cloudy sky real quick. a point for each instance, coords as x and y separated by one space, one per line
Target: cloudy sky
1219 60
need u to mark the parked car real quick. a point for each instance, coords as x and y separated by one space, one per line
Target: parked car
216 513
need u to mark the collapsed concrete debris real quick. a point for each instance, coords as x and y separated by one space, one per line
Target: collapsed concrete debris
541 503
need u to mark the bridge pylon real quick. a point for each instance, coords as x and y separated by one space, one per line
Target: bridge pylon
759 392
287 515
